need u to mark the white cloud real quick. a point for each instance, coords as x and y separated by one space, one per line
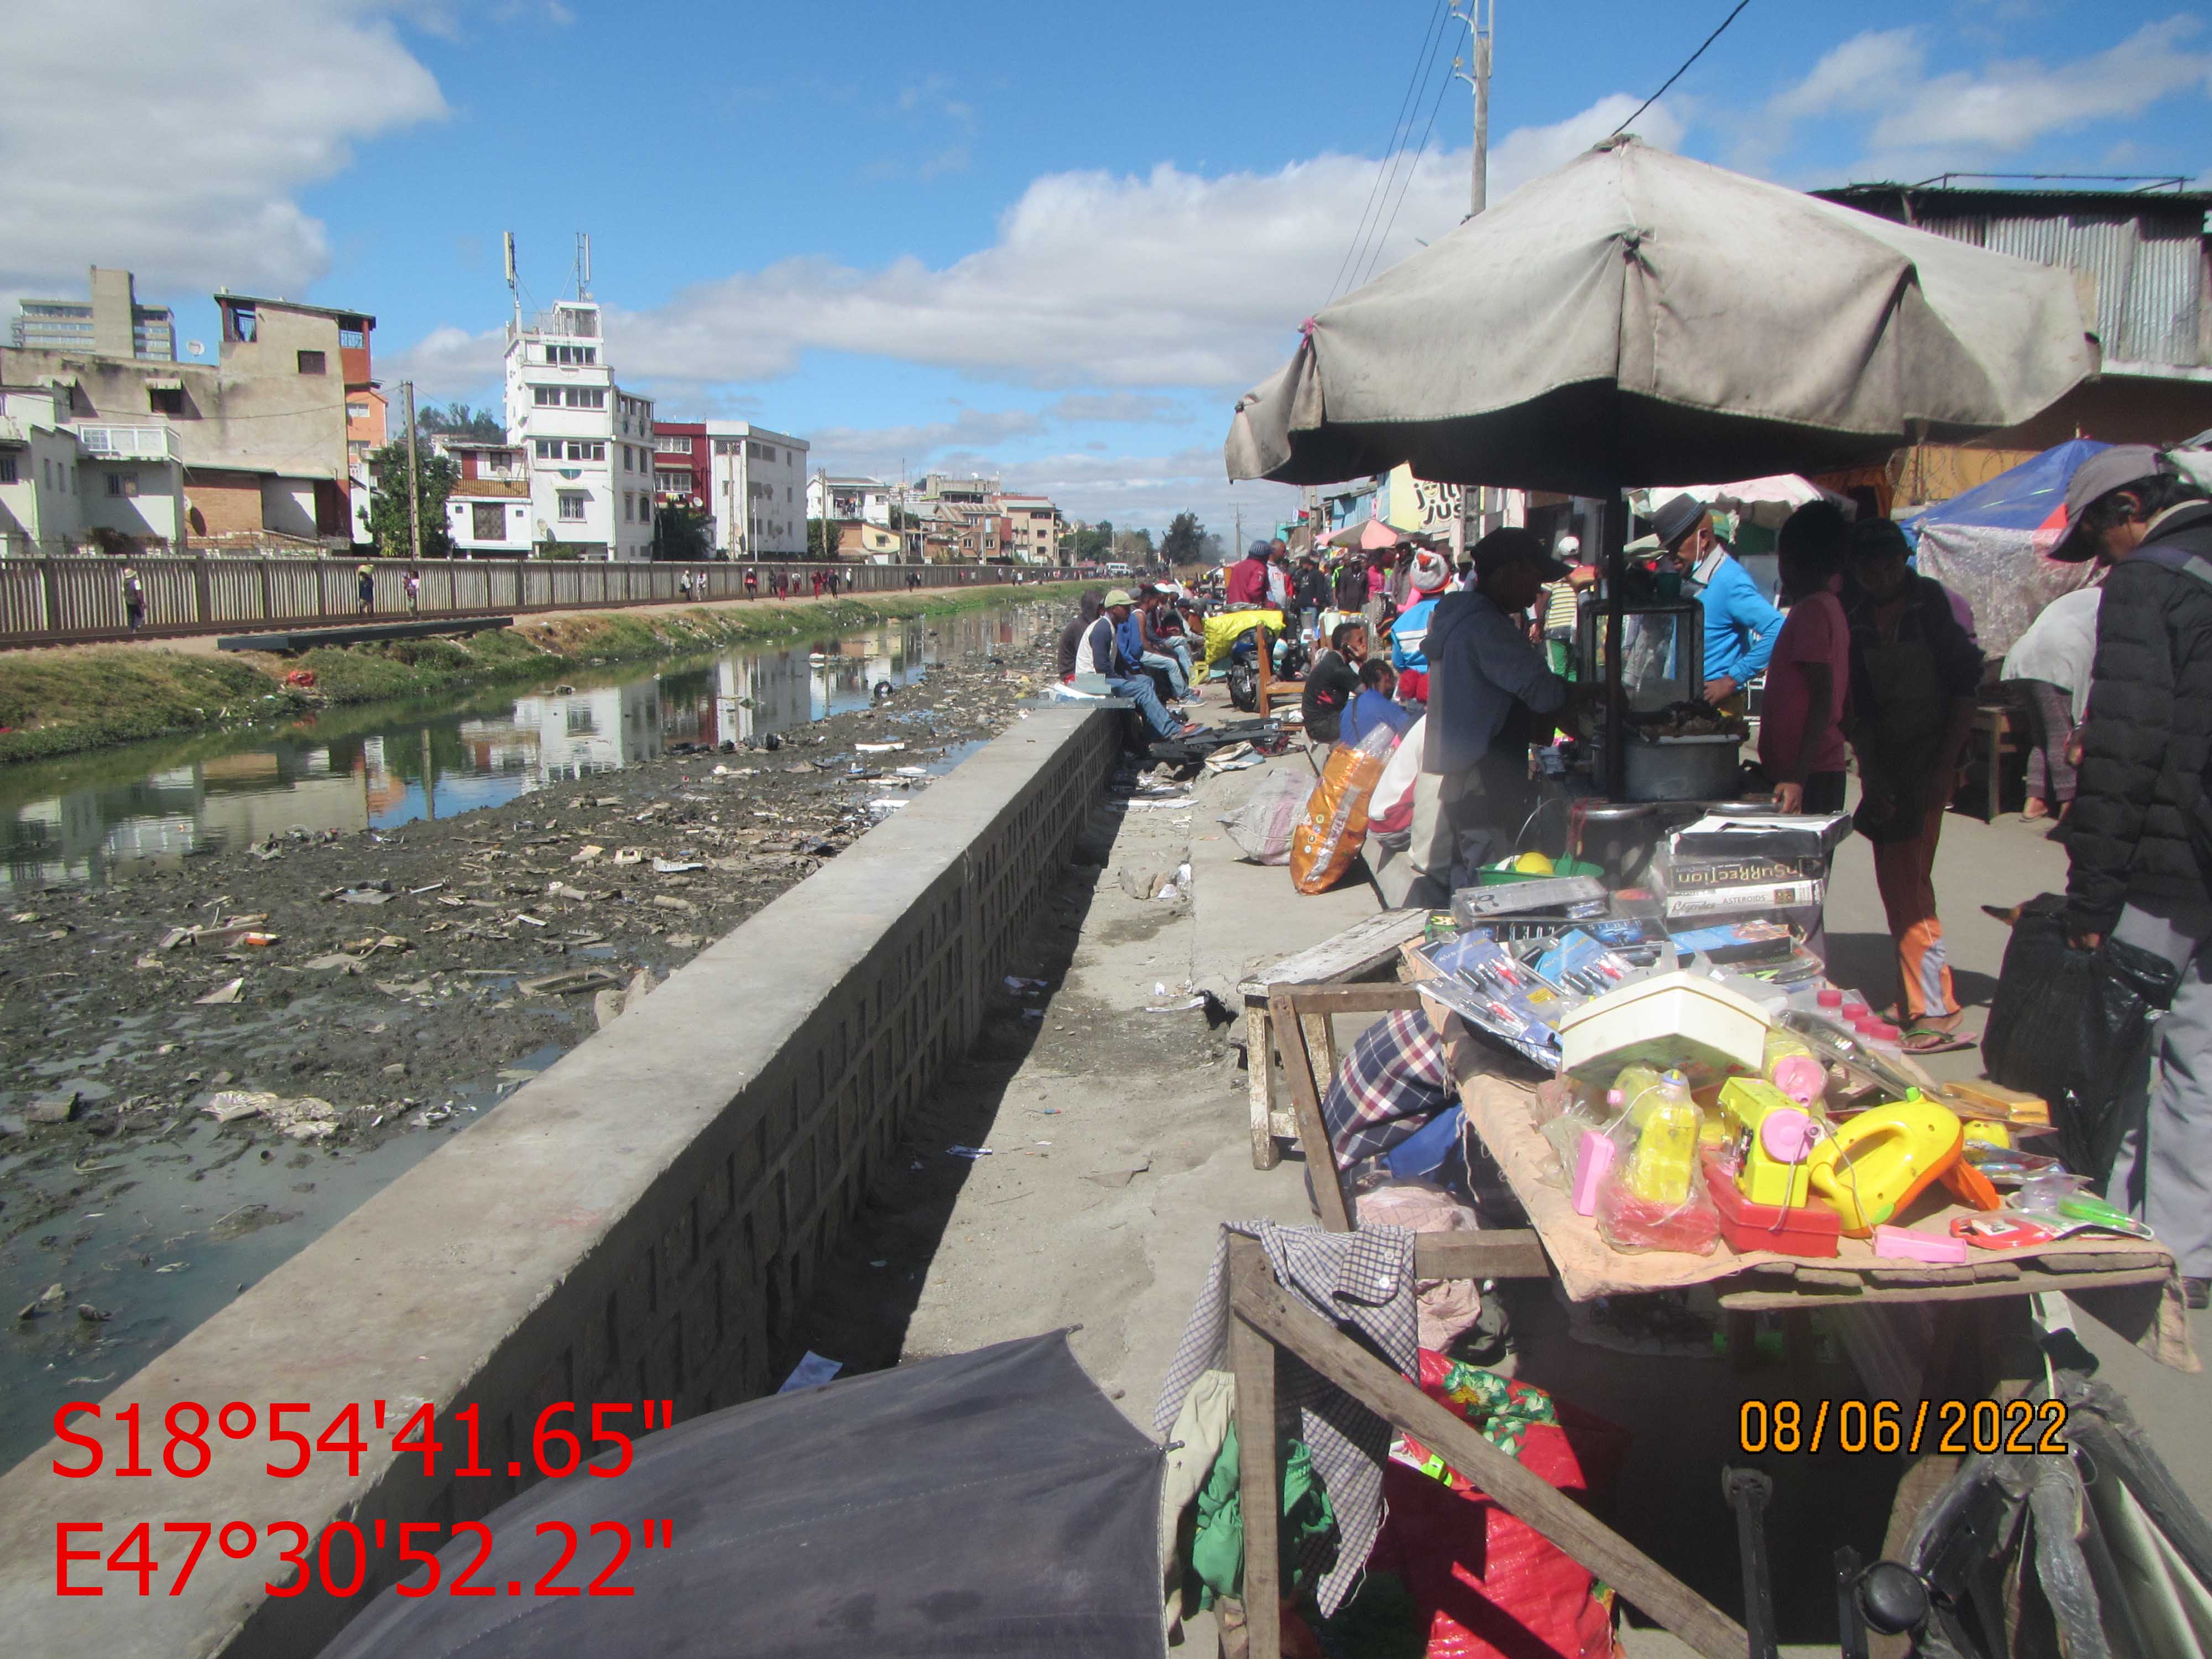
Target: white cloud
1862 73
209 118
1923 124
1169 278
2009 106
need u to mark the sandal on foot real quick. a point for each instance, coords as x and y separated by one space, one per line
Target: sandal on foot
1932 1040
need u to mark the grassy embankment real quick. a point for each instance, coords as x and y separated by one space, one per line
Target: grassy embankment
63 700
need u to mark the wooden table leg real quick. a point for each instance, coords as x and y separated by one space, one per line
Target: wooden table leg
1252 1360
1260 1082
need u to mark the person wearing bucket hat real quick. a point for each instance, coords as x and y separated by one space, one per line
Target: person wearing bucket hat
1101 663
1430 575
2139 837
1741 624
1487 685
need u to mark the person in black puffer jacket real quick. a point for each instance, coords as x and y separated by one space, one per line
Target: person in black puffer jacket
2135 872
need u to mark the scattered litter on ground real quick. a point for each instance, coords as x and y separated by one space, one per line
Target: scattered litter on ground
675 867
1021 987
59 1107
970 1152
810 1372
226 991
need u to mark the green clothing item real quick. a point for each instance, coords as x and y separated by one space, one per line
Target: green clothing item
1217 1553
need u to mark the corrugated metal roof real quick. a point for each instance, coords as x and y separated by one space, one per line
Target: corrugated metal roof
2141 255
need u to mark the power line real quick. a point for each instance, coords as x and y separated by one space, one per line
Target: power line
1679 73
1405 102
1386 169
1435 104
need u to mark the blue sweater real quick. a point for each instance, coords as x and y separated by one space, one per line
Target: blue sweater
1409 639
1369 709
1741 626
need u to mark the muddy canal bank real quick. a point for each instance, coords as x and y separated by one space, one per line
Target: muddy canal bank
347 999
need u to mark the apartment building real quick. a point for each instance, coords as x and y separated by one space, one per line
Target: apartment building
262 432
589 443
852 501
111 323
67 484
488 515
1032 529
757 491
680 453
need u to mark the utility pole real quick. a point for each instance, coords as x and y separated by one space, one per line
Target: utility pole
414 480
1481 17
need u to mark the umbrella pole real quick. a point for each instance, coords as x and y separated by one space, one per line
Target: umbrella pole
1615 566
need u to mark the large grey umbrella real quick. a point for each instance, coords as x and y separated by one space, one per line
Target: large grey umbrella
988 1503
1639 318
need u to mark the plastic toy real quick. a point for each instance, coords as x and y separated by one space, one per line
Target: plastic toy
1871 1168
1794 1230
1666 1154
1773 1137
1903 1244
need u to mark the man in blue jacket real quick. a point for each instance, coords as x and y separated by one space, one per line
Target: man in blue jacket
1741 624
1099 650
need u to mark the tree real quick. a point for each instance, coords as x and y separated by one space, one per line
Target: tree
1134 546
822 539
681 531
458 420
387 506
1092 542
1184 541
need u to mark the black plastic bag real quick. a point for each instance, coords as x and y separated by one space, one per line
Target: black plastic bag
2070 1025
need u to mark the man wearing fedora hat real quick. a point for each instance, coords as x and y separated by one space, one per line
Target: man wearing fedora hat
1741 624
2139 839
1487 683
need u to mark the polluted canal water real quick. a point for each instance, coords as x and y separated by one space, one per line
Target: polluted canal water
418 966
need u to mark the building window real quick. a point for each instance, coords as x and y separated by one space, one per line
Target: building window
487 521
583 451
575 357
545 397
165 399
675 446
353 335
311 362
587 397
547 449
238 323
8 469
356 411
572 505
122 483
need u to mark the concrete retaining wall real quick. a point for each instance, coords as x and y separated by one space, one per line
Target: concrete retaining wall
638 1223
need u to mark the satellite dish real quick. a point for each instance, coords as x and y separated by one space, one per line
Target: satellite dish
195 347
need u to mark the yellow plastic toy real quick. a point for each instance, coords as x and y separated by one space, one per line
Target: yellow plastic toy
1773 1136
1871 1168
1532 864
1666 1155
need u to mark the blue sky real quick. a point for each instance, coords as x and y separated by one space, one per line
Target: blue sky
1055 242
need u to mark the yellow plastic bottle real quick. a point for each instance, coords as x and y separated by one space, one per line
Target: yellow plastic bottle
1641 1089
1665 1160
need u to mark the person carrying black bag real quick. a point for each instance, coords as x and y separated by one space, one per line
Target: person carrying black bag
2134 875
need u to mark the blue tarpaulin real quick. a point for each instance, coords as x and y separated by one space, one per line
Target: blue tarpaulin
2023 498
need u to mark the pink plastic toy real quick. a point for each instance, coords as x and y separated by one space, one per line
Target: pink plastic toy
1593 1158
1903 1244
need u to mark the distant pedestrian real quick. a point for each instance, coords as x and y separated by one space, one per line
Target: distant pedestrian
411 585
684 585
752 581
364 588
817 584
134 598
1914 676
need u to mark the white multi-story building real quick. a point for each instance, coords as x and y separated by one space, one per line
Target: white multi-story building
589 443
757 491
852 501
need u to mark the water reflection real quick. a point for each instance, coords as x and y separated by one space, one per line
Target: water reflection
92 817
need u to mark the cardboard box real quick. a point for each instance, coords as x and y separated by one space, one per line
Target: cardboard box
1799 835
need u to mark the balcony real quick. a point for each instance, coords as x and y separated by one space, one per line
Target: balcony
129 443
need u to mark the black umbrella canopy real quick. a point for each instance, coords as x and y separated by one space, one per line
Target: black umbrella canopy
992 1503
1639 318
